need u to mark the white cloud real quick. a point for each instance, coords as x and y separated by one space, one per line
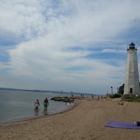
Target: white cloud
50 27
91 21
23 18
113 51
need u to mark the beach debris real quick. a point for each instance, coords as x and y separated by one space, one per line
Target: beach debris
120 103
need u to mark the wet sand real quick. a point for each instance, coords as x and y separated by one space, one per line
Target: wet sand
86 121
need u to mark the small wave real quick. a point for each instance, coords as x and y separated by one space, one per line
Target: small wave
48 93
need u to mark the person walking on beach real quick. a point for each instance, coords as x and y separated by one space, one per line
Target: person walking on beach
37 104
46 104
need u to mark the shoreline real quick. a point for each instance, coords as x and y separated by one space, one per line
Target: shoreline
85 120
41 116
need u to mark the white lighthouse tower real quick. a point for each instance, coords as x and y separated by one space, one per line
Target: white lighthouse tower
132 75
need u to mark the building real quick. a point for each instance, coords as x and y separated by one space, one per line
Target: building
132 75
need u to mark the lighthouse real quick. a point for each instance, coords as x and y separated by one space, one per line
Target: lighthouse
132 74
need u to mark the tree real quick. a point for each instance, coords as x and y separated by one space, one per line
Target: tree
121 89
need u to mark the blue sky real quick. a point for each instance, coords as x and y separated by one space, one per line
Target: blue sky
74 45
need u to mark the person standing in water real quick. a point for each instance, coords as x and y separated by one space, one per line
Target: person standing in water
37 104
46 104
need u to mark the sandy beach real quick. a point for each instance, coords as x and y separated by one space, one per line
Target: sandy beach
86 121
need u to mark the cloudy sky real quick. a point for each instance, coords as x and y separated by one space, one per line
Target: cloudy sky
69 45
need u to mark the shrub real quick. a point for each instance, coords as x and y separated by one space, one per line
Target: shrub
116 95
131 98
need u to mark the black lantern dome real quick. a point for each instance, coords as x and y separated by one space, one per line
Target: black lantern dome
132 46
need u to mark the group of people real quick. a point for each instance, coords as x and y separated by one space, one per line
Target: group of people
45 103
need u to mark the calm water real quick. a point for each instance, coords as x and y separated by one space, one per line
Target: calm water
19 105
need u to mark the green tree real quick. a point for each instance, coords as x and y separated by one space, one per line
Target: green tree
121 89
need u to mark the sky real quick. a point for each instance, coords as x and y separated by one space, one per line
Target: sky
61 45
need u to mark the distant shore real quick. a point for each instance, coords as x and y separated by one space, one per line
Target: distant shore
49 91
86 121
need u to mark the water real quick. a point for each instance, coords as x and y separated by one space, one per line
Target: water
19 105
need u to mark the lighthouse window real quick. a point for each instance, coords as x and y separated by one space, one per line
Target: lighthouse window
131 91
